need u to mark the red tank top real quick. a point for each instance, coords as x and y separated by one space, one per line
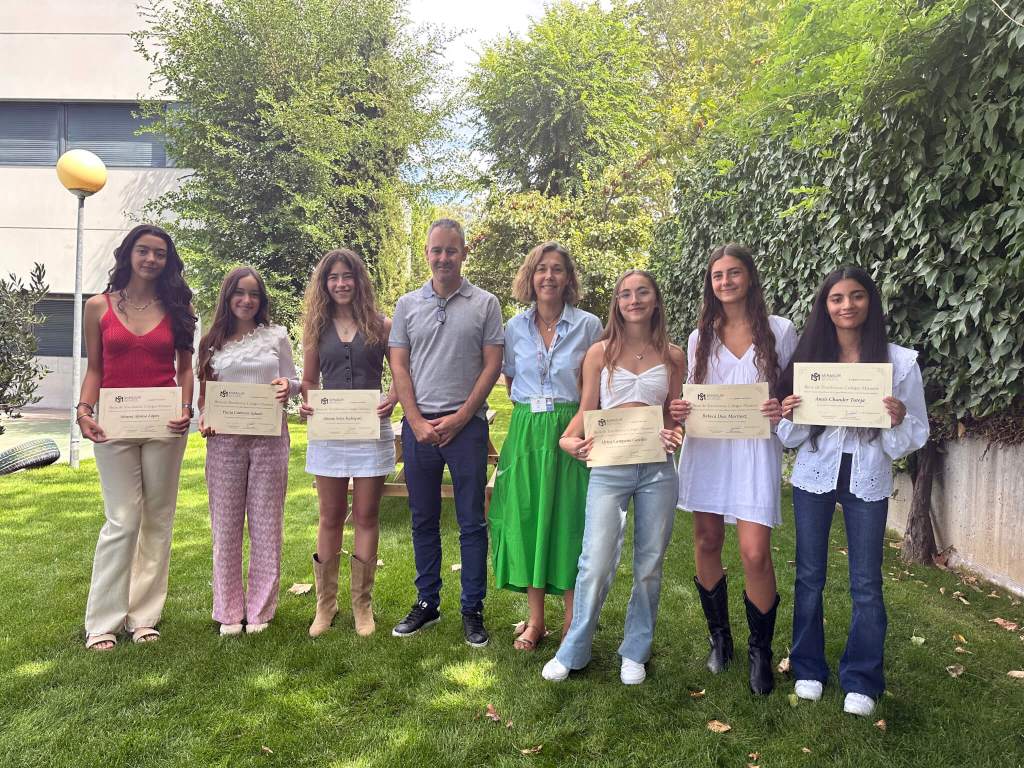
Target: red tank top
136 361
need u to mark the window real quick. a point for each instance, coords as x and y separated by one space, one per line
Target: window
39 133
55 334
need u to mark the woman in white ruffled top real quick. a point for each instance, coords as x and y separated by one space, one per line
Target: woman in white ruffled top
851 467
247 475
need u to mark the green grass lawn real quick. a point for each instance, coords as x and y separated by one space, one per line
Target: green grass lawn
282 699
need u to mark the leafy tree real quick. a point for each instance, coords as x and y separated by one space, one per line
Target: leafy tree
19 371
296 118
556 105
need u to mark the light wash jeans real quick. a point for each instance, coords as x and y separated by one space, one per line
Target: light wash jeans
654 490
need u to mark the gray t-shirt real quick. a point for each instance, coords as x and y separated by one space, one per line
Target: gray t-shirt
446 359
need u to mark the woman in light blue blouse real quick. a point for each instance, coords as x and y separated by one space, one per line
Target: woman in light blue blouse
538 505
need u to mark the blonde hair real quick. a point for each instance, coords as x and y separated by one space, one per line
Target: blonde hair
318 306
615 329
522 286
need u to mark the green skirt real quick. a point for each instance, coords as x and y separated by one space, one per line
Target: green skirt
538 504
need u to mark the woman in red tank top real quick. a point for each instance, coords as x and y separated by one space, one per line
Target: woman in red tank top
138 333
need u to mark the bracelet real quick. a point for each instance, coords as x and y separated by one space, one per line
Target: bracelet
92 410
82 416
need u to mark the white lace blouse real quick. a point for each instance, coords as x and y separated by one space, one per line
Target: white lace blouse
259 357
817 471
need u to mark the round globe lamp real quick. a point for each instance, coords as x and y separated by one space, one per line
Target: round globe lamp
82 174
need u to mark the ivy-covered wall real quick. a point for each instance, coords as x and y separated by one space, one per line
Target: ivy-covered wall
928 196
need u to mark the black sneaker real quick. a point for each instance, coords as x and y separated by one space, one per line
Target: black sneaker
419 617
473 628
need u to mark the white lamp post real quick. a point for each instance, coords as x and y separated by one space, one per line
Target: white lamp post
82 174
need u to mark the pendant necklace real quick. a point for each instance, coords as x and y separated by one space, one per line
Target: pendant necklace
547 326
124 295
640 355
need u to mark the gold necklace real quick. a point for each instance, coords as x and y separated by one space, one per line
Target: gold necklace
548 326
640 355
124 295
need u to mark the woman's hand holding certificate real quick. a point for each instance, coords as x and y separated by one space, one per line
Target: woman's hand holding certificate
843 394
343 414
624 436
139 411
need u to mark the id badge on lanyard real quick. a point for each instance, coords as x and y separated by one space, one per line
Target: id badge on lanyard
542 404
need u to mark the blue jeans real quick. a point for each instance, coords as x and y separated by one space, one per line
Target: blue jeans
466 457
860 668
654 489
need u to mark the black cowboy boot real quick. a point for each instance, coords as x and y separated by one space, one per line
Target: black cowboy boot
716 610
762 630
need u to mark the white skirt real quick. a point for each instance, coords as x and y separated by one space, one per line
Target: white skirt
353 458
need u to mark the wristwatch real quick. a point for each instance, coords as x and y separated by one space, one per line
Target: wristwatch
191 410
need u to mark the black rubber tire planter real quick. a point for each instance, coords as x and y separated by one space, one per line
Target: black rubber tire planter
34 453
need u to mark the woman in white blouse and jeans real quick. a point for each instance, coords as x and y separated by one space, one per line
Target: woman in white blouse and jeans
851 467
246 475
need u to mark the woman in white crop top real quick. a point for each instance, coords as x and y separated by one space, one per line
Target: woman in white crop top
735 481
851 467
246 475
633 365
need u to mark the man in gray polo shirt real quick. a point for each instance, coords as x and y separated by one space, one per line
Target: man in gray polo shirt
446 351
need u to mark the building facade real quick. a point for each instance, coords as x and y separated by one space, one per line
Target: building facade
70 78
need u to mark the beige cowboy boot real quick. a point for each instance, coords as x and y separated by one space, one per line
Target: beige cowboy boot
326 576
362 587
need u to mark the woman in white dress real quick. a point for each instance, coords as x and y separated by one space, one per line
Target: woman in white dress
735 481
344 346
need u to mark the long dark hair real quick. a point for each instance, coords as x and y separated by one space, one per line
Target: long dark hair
171 288
712 315
819 342
224 320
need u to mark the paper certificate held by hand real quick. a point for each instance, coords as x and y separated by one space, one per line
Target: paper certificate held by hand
625 436
344 414
727 411
139 411
242 409
842 394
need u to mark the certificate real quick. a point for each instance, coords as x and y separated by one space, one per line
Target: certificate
842 394
625 436
139 411
726 411
344 414
242 409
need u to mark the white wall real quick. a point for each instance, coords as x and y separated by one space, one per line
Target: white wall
38 220
977 508
72 50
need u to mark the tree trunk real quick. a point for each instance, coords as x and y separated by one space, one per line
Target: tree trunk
919 538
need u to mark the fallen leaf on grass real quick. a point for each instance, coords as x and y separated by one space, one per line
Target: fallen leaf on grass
300 589
960 638
805 750
379 562
844 550
993 593
791 562
717 726
941 560
960 596
955 670
751 765
916 640
492 713
880 725
784 666
456 566
697 694
896 544
532 750
1016 674
793 700
755 756
518 628
266 750
961 649
1010 626
942 590
508 724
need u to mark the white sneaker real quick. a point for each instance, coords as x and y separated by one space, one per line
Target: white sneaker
554 671
858 704
255 629
632 672
808 689
230 629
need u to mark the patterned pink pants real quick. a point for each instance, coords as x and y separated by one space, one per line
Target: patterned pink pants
246 477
